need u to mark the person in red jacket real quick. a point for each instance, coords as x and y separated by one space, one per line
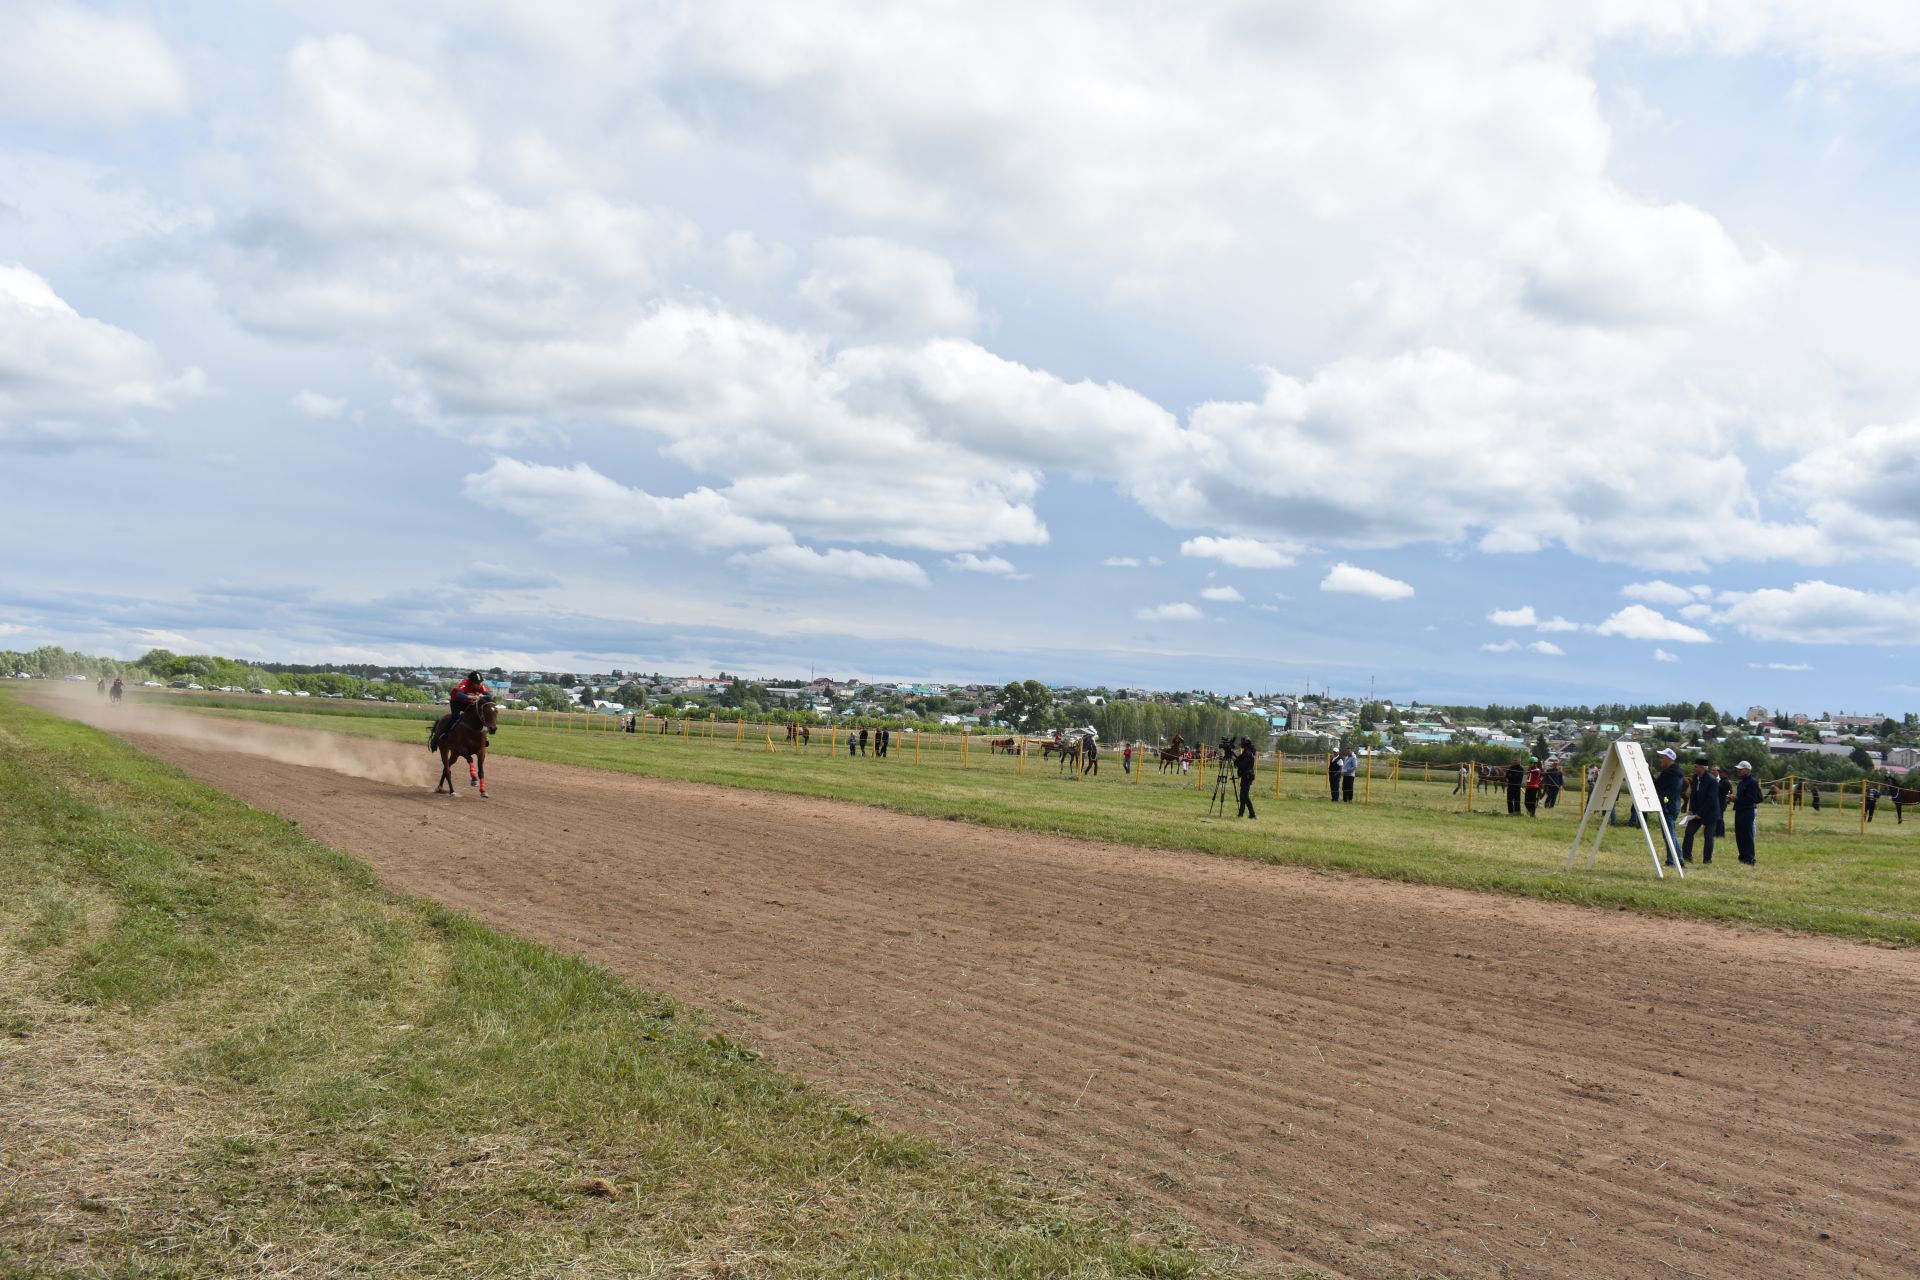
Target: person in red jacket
1535 780
464 695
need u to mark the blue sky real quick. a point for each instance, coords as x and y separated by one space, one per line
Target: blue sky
1555 351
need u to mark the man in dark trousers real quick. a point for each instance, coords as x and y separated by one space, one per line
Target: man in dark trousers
1516 775
1243 766
863 742
1333 777
1555 780
1536 779
1746 811
1666 785
1349 770
1703 811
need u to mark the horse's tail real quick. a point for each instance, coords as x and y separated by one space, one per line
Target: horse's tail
433 736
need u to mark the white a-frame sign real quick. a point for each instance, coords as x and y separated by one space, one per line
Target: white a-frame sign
1626 767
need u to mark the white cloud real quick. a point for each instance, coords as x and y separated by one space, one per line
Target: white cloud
579 504
1121 562
1637 622
68 381
1822 613
1353 580
967 562
1780 666
316 405
870 289
1179 612
1225 595
1241 553
1861 487
836 562
64 62
1557 623
1661 655
1544 647
1524 616
1657 592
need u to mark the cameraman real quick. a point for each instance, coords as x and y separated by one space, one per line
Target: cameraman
1243 765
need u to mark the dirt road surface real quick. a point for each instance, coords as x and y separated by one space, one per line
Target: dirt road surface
1366 1078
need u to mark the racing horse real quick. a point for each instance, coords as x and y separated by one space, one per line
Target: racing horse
465 741
1170 755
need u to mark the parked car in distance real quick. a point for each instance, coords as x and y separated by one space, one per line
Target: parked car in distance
176 684
301 693
281 693
151 684
196 686
258 689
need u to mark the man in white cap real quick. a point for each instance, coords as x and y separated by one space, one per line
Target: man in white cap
1746 811
1666 785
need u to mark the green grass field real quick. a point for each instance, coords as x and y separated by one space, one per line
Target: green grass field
1825 877
226 1050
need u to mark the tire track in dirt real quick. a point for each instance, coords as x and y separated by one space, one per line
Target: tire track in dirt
1370 1078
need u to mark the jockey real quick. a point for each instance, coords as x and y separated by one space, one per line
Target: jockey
464 695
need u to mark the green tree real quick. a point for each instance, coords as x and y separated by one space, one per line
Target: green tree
549 697
1025 703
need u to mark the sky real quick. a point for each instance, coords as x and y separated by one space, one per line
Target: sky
1557 351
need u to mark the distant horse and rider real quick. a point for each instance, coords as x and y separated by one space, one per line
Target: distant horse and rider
1174 754
462 733
798 734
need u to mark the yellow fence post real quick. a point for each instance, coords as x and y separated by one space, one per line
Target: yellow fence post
964 736
916 746
1473 782
1395 769
1366 788
1793 794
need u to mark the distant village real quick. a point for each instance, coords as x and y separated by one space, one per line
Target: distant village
1309 722
1823 743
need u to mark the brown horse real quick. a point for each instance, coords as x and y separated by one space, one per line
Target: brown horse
466 741
1171 754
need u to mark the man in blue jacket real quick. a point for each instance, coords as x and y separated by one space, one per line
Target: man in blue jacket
1703 811
1746 811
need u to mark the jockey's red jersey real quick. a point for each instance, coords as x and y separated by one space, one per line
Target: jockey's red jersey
467 690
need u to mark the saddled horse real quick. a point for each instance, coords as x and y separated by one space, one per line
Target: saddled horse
1171 754
1002 745
465 741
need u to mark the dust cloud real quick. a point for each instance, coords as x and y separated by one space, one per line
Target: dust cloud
401 764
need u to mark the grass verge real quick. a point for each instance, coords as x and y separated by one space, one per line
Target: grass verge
1826 877
226 1050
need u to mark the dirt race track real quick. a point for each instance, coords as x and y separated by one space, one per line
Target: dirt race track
1366 1078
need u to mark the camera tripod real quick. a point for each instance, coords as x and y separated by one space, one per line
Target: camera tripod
1226 787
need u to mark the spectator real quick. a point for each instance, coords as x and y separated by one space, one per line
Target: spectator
1516 775
1333 777
1535 781
1666 785
1349 766
1703 812
1465 779
1126 758
1746 811
1872 799
1555 780
863 742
